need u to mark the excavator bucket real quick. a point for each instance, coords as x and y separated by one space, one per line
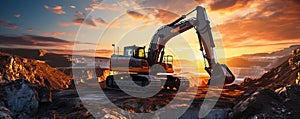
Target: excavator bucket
229 77
220 75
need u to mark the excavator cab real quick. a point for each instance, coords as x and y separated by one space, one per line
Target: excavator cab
139 53
135 51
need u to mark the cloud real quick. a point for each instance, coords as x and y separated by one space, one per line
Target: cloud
79 14
127 3
166 16
31 41
152 16
56 9
135 15
219 4
97 1
116 6
156 11
17 15
173 6
263 44
229 4
12 26
54 34
145 18
63 24
51 44
89 22
8 25
88 9
29 29
72 7
271 22
100 21
2 22
102 6
81 19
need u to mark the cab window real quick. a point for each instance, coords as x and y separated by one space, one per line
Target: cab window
141 53
128 52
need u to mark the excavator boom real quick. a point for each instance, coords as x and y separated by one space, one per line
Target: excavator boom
203 30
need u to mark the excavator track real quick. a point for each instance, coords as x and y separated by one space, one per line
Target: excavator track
129 80
175 83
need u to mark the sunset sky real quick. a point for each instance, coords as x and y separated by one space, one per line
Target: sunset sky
242 26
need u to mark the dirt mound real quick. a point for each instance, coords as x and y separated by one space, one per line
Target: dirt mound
36 72
285 74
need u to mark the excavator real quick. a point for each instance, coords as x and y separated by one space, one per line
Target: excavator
157 67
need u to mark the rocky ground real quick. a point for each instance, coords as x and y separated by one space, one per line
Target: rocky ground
275 95
22 100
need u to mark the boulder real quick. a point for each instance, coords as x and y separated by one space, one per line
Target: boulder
22 100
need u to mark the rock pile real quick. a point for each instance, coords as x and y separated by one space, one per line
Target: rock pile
22 100
26 87
275 95
267 104
35 72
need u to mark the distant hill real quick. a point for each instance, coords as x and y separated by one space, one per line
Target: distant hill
262 61
54 60
13 67
285 74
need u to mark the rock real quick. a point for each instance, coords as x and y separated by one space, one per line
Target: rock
265 103
294 61
22 100
44 94
291 100
233 87
65 105
3 98
260 103
48 115
4 113
217 114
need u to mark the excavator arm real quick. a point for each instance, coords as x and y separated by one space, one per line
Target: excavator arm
202 26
